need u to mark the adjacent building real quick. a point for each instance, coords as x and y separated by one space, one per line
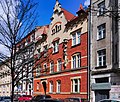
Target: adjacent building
5 79
105 48
61 55
24 64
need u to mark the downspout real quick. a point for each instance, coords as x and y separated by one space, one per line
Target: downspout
89 54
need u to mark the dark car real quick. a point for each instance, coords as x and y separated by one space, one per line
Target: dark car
75 99
39 97
50 100
16 96
5 99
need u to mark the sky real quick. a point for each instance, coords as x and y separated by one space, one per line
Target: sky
45 8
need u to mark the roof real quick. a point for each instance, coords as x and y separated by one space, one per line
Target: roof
67 14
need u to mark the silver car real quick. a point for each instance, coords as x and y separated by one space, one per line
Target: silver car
109 100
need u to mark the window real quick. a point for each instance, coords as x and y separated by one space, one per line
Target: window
45 68
59 65
52 67
38 86
38 71
32 37
101 31
55 46
51 87
101 7
45 50
58 86
75 85
101 57
76 38
76 62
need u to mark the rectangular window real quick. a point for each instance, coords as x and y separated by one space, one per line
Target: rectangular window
101 57
55 46
45 50
52 67
38 85
101 7
101 32
59 67
76 61
32 37
51 87
75 85
37 71
58 86
76 38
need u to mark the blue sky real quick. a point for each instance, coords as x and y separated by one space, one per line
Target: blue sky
45 8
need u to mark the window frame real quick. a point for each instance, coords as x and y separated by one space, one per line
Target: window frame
101 54
101 8
58 90
52 67
73 85
56 46
76 60
101 31
51 87
59 65
76 37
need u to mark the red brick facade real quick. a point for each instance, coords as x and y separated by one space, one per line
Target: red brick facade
68 75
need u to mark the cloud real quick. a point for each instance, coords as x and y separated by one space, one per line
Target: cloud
87 3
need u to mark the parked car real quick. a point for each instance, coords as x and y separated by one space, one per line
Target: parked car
109 100
50 100
5 99
16 96
75 99
25 98
39 97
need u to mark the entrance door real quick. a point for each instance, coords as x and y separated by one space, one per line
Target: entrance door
101 94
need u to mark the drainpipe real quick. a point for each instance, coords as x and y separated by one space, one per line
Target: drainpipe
89 54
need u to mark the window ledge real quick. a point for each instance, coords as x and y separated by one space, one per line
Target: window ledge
55 52
98 67
75 45
100 39
75 92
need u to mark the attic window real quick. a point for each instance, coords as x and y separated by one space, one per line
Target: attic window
56 29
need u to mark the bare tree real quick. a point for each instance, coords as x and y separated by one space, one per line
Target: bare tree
17 18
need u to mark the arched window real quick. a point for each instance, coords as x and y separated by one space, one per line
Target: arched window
51 87
58 86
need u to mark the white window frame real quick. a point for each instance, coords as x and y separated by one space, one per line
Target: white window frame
102 56
59 65
51 87
55 46
76 61
101 8
38 86
51 66
32 37
101 31
38 71
76 38
58 86
73 85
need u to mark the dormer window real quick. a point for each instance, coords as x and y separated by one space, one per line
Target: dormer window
56 27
